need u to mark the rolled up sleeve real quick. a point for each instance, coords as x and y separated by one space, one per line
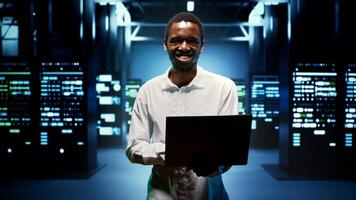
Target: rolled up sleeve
139 149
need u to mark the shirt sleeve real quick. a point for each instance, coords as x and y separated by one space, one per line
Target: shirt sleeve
139 149
229 101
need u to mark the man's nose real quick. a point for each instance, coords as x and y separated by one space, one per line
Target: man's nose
184 46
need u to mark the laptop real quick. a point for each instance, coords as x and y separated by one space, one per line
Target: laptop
207 140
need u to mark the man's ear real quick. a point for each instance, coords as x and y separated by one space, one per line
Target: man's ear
165 45
202 47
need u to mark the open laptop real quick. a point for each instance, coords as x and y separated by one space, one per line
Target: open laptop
207 140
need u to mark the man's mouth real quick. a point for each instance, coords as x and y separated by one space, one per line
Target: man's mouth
184 57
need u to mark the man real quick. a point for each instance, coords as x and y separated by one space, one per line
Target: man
185 89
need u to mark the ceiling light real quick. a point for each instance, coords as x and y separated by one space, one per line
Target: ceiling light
190 6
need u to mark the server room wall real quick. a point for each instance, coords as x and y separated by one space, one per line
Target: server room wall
230 59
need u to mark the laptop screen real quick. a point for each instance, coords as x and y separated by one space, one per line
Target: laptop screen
207 140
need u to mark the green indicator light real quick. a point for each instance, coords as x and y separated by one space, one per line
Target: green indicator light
14 131
5 124
15 73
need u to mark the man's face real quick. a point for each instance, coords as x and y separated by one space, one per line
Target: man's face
184 45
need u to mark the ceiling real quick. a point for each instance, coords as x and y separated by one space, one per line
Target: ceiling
207 11
222 19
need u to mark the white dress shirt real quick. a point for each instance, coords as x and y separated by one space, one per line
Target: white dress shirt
206 94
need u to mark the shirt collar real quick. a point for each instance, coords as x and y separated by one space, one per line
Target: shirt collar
196 83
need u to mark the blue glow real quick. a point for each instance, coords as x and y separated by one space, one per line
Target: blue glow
313 103
100 87
271 23
264 97
63 73
104 78
14 73
348 139
106 131
43 138
9 36
289 24
319 132
81 19
10 31
16 131
106 23
131 89
116 87
93 27
106 100
108 88
67 131
311 86
264 107
108 117
15 95
332 144
259 8
296 139
350 97
253 125
241 93
61 102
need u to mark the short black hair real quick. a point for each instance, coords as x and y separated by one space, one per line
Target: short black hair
187 17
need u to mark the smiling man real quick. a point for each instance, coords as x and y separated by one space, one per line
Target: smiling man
185 89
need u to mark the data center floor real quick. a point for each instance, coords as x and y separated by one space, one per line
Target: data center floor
119 179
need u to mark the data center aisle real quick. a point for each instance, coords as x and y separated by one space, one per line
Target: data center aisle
119 179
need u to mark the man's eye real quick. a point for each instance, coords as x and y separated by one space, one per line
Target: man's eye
174 42
193 42
177 42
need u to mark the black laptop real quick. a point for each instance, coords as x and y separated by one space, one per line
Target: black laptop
207 140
